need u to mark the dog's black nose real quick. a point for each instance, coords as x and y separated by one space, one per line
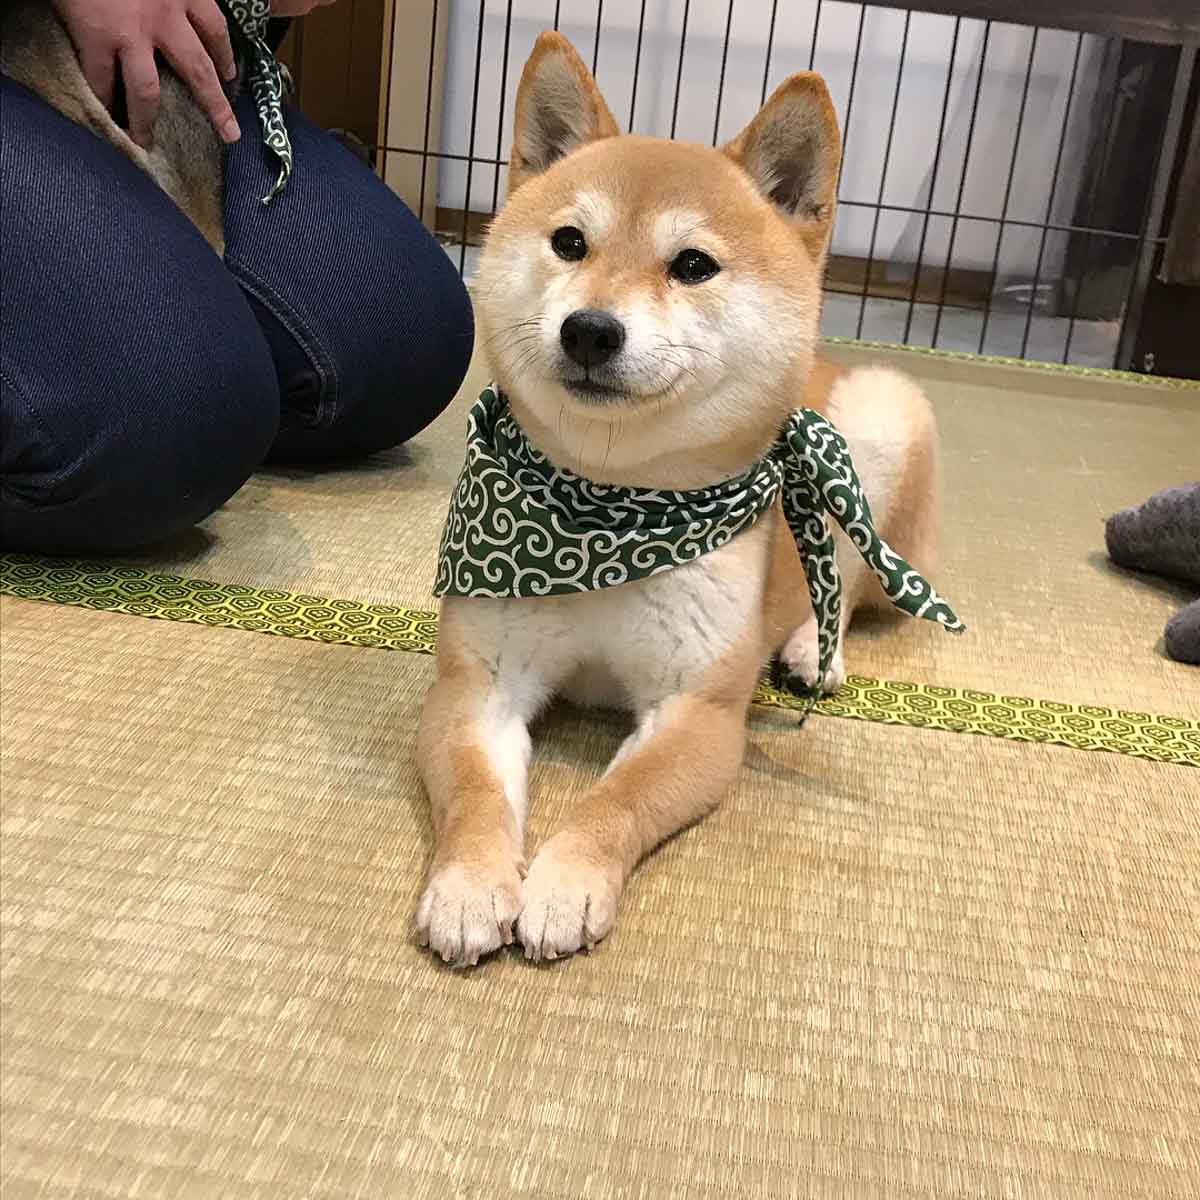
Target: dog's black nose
591 337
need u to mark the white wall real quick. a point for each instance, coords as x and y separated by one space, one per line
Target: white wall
914 145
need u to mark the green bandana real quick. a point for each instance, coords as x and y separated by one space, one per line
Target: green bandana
520 526
266 79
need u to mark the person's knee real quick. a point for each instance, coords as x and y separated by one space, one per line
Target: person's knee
129 471
425 348
404 362
138 391
371 326
423 331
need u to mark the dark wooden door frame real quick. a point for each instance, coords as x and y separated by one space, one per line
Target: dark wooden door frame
1161 24
1137 326
1167 22
1163 338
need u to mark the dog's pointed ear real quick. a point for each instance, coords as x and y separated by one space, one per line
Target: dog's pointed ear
792 151
559 109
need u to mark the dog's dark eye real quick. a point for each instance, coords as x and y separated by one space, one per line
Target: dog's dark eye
693 266
568 243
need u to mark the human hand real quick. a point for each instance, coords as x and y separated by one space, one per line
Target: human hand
124 34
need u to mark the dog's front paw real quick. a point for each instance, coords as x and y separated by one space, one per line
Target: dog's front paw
801 659
571 897
469 909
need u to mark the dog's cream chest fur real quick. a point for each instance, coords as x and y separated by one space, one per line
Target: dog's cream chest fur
630 646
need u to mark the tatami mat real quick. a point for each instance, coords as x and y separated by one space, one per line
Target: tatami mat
1034 462
896 963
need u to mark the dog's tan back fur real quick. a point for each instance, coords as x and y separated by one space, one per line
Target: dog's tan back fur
185 159
702 377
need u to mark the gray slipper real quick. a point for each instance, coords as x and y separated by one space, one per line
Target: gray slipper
1161 536
1182 635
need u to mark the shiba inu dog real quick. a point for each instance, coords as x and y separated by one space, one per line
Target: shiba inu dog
650 310
186 159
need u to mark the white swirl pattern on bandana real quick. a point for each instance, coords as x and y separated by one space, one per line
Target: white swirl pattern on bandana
266 79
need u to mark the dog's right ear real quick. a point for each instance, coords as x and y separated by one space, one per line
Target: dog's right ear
792 151
559 109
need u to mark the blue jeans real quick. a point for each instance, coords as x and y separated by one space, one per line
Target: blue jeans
142 380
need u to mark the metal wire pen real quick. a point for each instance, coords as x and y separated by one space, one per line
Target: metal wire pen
882 277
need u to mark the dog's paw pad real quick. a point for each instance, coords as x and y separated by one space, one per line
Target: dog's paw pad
801 659
569 905
469 910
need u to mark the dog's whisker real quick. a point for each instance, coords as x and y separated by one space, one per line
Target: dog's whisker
499 333
582 447
608 451
670 345
520 342
525 339
525 360
679 366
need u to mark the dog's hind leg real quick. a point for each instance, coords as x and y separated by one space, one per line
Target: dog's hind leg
889 427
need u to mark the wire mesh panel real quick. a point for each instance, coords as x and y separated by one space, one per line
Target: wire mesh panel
976 202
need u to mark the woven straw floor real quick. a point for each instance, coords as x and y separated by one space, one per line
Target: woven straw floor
896 963
1034 461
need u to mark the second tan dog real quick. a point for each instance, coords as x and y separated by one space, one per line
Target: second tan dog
186 158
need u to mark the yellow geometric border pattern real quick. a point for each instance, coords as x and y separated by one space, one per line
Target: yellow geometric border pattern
136 591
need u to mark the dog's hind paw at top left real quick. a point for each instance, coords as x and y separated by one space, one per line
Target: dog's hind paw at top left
469 909
801 659
570 901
